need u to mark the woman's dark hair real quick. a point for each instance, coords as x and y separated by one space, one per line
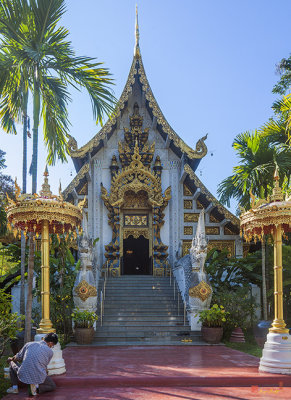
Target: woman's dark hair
51 337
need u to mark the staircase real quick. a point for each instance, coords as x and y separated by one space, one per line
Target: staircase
141 309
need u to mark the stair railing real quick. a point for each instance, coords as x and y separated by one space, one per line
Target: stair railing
102 297
173 279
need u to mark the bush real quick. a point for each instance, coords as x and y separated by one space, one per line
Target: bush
214 317
63 271
240 306
84 319
9 323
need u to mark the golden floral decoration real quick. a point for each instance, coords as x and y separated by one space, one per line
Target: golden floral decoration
201 291
84 290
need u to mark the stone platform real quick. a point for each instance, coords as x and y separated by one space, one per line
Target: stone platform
163 372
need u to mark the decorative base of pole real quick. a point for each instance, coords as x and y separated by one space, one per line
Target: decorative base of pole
45 327
276 357
57 363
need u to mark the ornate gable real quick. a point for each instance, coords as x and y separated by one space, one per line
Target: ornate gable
137 72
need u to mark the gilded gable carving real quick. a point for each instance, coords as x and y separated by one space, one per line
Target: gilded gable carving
228 245
199 205
188 204
212 230
186 191
188 230
191 217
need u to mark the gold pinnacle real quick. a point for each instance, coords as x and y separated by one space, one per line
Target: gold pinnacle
46 189
136 47
277 194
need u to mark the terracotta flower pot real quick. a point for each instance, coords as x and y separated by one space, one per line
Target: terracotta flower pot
237 336
212 335
84 335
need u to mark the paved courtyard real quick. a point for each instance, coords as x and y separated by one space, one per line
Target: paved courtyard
163 372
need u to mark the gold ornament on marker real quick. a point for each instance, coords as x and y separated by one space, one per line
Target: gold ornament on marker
271 216
202 291
43 214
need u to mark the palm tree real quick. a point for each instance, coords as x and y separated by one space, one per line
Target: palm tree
39 58
258 158
43 55
255 171
19 99
13 108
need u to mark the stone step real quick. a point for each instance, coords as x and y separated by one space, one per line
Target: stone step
138 277
140 290
142 323
141 300
157 282
139 334
149 318
151 341
149 308
142 309
134 314
145 342
116 330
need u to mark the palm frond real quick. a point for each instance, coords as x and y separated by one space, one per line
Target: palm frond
55 118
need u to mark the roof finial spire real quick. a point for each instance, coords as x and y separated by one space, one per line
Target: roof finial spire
136 47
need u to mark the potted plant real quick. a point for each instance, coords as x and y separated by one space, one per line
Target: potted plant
84 321
212 323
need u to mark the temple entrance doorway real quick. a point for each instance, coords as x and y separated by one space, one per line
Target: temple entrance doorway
136 259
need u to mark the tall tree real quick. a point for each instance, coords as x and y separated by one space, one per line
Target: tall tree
40 58
282 106
257 162
44 57
6 186
13 85
258 158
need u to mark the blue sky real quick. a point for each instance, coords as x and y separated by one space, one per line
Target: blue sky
211 66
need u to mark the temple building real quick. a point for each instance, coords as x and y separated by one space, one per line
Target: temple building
143 197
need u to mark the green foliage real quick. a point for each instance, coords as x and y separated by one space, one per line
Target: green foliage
216 316
6 186
229 273
63 270
284 84
9 259
84 319
258 154
4 383
9 323
230 279
240 305
37 56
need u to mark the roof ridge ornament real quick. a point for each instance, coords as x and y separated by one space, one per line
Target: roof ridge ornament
136 46
46 189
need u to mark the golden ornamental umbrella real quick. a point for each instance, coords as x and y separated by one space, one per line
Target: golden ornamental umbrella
43 214
273 216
